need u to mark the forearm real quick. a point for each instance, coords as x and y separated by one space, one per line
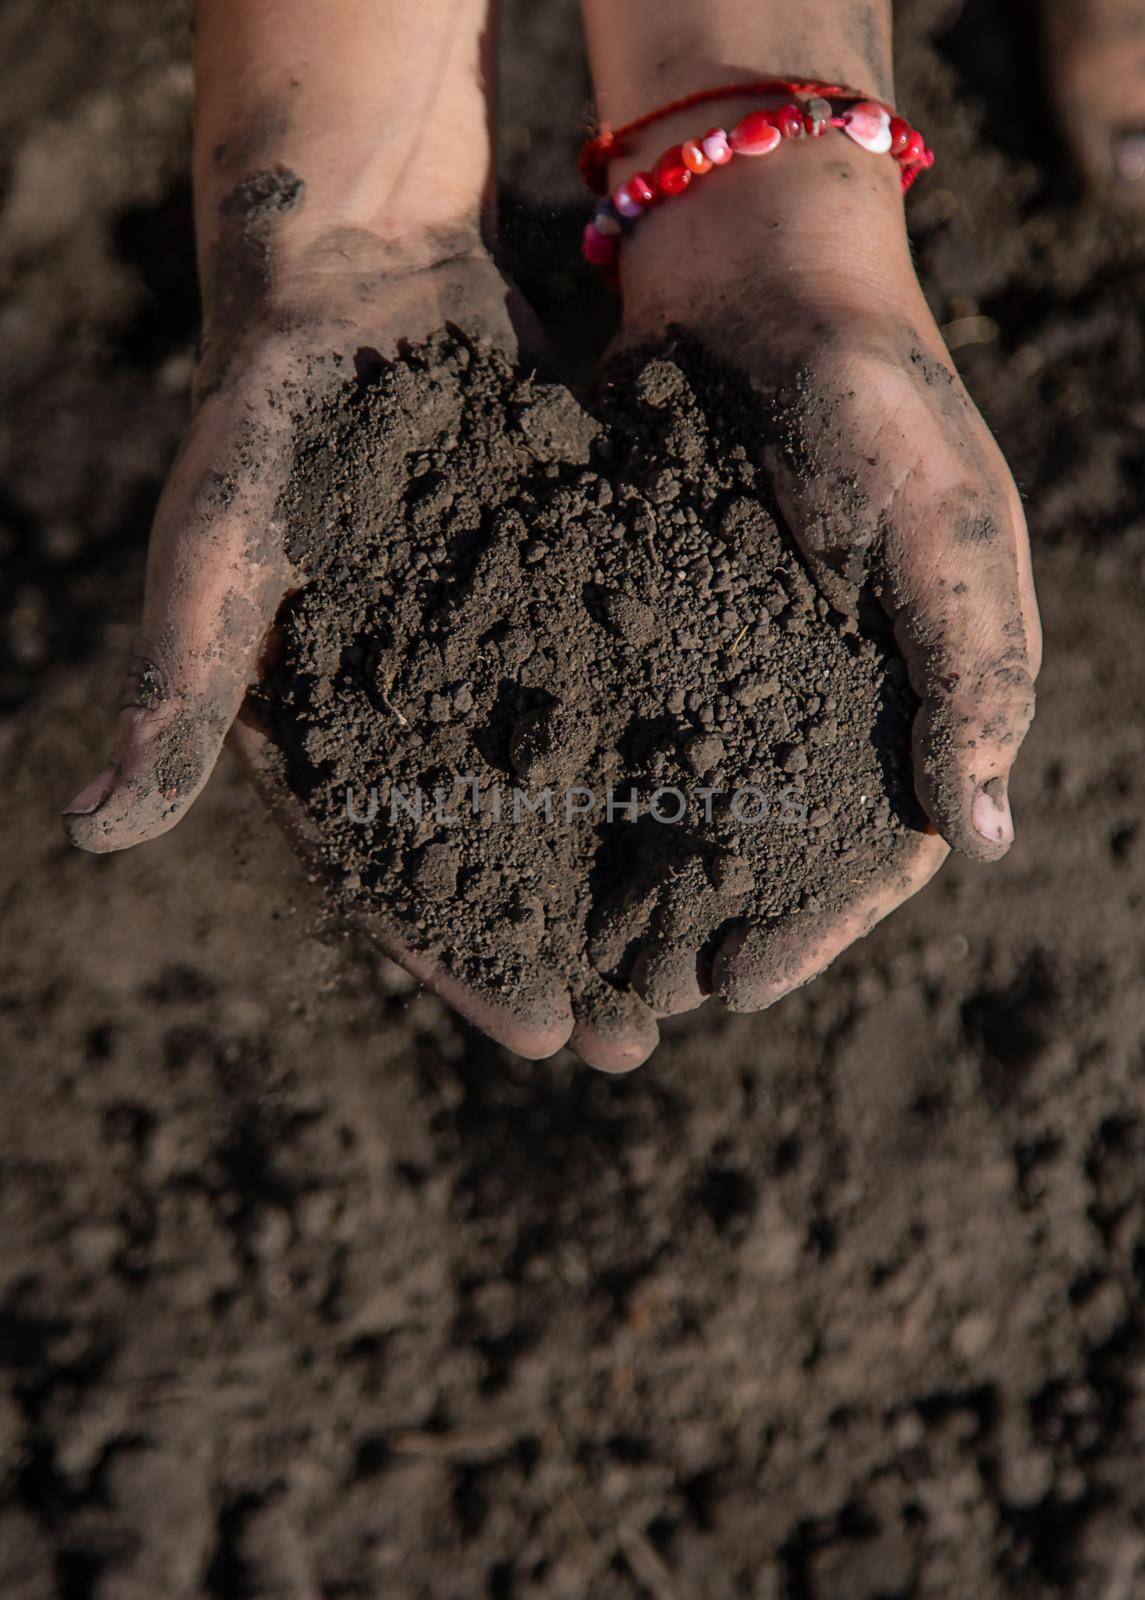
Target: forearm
315 120
644 56
834 213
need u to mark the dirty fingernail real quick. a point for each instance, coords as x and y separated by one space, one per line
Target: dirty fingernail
91 798
991 813
1129 157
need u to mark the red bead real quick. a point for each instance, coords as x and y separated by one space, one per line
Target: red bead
926 160
694 158
901 131
670 175
756 135
912 149
642 188
789 121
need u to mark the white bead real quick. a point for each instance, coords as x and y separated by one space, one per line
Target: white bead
869 125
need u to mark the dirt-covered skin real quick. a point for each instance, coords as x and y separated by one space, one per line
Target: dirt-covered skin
796 270
556 692
220 565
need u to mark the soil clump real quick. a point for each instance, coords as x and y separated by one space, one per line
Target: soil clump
558 682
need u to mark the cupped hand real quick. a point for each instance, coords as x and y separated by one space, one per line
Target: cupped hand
217 573
799 278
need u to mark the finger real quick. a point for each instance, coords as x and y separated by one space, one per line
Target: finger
535 1023
920 502
537 1020
1095 60
615 1031
215 578
668 977
669 968
757 965
966 622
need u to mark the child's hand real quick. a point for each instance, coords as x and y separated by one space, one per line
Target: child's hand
800 277
217 570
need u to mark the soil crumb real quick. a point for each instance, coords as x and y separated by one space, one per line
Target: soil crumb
558 684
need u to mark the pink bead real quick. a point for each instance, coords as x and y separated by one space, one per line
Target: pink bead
756 135
869 125
715 146
600 248
634 196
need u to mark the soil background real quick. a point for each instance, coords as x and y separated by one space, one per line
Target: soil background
307 1292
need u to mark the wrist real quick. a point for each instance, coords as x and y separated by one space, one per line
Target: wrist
329 290
305 222
300 189
381 112
263 235
367 135
819 224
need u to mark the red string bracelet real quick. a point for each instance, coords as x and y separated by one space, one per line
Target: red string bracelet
815 108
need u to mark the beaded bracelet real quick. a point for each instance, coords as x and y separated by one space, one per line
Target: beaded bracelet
872 124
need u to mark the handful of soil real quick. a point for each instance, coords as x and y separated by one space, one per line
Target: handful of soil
558 685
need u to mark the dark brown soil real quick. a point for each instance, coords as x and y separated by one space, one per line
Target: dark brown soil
548 664
306 1290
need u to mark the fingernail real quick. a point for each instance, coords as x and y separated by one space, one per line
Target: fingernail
1129 157
991 813
91 798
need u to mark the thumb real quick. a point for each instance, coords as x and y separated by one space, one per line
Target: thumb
927 513
214 582
966 621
